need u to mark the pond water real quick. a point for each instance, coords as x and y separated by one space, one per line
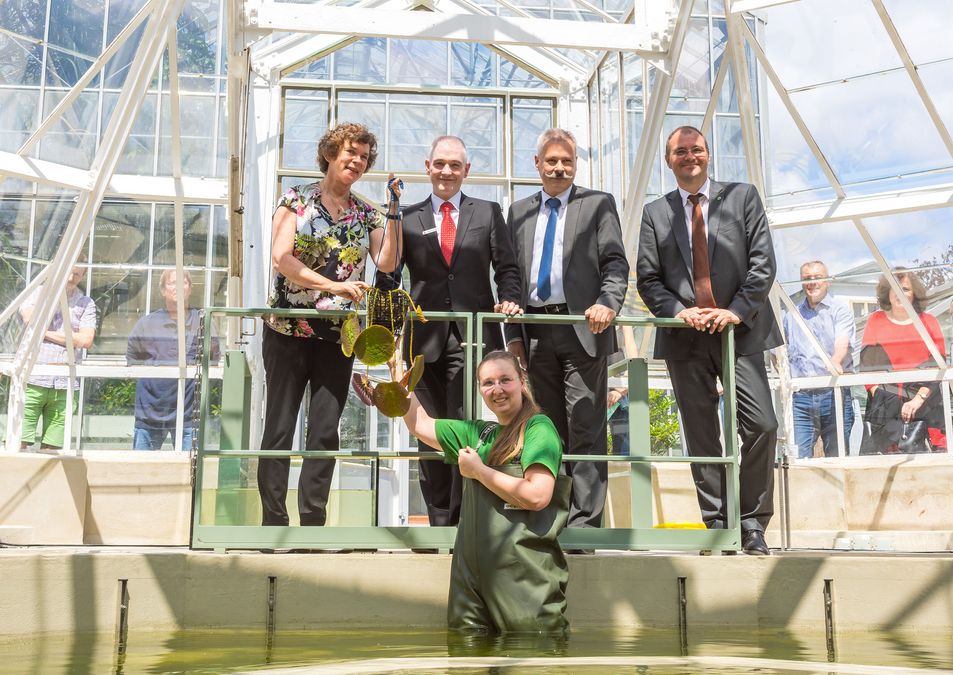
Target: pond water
653 651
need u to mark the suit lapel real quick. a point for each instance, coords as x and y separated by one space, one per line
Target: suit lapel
463 222
529 231
714 216
570 228
422 218
680 228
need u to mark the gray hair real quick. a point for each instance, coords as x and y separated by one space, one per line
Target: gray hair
554 135
453 139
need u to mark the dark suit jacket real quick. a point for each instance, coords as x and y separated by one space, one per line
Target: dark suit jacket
595 269
741 259
464 286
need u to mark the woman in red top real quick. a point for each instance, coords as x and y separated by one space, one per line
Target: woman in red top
901 417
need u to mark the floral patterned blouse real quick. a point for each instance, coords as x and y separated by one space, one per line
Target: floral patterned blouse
336 250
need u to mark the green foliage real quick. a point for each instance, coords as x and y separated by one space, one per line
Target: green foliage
663 422
116 397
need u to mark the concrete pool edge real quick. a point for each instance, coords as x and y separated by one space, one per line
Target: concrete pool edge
68 590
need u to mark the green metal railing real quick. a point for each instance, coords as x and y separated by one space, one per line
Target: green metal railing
641 536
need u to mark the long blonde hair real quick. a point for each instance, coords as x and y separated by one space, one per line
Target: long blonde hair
509 441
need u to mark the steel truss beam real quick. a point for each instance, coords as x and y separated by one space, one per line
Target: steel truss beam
128 186
914 199
487 29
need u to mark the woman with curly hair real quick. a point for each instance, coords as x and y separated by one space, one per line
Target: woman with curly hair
321 236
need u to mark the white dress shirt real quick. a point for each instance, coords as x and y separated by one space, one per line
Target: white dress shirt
436 203
557 295
705 189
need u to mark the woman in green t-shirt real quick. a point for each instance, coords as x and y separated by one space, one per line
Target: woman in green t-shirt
508 572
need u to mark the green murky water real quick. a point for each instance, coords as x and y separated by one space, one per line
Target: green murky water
653 651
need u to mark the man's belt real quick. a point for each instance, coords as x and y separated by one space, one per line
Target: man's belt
549 309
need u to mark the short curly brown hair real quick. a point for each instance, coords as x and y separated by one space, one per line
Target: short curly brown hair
334 140
919 290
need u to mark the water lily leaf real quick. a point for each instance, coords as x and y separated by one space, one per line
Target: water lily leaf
415 373
363 388
350 330
374 346
391 399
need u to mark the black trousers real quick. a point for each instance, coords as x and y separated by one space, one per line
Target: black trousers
441 394
292 363
693 380
571 387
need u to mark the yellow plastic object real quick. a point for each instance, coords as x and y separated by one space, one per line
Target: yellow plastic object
681 526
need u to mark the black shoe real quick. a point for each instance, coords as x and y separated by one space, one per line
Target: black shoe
424 550
752 543
580 551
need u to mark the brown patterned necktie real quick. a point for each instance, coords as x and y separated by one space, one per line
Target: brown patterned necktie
700 269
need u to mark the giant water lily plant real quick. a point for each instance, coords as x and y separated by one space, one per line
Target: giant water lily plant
379 343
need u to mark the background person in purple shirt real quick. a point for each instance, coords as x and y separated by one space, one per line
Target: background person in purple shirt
154 341
46 394
832 323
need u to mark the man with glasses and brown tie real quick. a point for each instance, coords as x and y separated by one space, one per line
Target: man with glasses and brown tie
451 240
706 257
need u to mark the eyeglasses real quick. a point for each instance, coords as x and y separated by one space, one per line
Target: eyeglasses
684 152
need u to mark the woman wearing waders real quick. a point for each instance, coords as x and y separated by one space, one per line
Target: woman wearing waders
508 572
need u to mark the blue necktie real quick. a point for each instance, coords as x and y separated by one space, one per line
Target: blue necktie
543 291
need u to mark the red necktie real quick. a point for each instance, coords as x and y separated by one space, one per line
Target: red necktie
448 231
700 269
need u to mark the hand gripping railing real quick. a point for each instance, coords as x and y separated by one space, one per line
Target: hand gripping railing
642 536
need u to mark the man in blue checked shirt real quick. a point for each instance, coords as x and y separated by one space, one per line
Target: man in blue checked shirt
832 323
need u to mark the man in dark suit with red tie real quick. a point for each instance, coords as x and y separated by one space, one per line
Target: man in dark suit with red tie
706 257
450 242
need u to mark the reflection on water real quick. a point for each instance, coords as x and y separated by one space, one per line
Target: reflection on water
220 651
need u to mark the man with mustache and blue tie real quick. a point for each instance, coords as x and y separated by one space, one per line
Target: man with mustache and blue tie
569 246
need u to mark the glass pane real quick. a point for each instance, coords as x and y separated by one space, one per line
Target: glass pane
77 26
120 13
316 70
64 70
197 39
595 133
729 150
305 120
936 78
922 28
511 75
917 239
72 141
412 128
363 61
219 291
472 65
906 138
611 128
196 123
17 117
117 67
853 38
219 237
195 228
531 117
120 297
53 215
24 17
121 234
139 156
108 413
161 299
479 122
22 61
790 165
692 86
418 62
